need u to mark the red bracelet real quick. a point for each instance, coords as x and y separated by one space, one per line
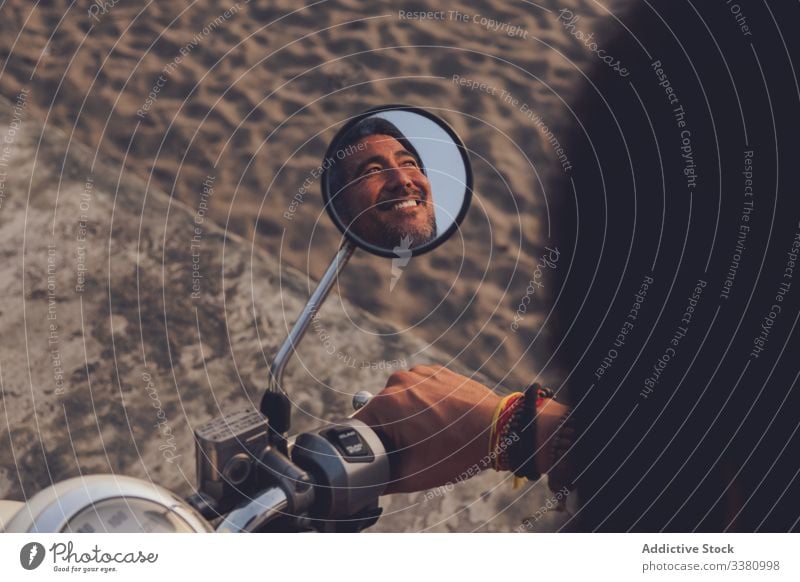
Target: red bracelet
499 444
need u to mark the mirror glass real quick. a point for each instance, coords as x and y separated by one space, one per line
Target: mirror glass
397 180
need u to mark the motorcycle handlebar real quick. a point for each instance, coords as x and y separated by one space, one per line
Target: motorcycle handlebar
256 513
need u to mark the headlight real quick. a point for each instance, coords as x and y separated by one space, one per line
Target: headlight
106 503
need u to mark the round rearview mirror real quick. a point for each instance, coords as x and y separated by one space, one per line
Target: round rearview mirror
397 181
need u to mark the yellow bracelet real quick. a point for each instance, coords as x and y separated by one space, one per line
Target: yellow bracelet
493 433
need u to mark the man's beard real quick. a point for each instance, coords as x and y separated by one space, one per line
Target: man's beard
417 235
413 235
393 234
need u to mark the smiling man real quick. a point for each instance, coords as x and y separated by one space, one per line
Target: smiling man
379 186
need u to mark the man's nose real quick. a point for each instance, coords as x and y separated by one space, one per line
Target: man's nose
398 177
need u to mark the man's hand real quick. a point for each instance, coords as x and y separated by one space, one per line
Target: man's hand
438 423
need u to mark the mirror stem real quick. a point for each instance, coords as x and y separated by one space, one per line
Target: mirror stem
275 404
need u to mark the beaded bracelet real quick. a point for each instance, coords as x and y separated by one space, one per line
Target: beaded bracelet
521 454
498 440
504 438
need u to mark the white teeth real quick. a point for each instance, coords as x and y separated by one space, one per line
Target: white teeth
406 204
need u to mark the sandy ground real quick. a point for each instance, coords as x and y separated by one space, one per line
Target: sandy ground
252 98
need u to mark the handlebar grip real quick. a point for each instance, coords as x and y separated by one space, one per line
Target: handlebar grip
360 400
391 454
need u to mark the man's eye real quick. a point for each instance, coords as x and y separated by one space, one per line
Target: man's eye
411 163
371 170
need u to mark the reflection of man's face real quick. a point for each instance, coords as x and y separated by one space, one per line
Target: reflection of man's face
389 197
